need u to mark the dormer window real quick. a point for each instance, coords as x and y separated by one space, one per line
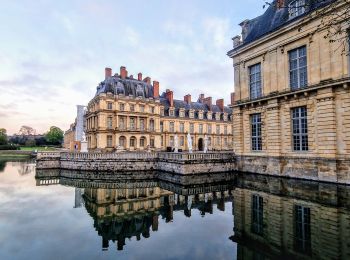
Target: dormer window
296 8
209 117
200 115
182 113
191 114
162 111
171 112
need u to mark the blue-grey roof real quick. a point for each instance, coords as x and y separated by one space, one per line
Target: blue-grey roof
196 106
275 18
128 86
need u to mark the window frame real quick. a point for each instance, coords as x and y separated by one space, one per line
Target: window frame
256 139
258 93
300 136
297 10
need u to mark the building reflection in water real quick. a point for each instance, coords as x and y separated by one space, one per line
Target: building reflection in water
134 212
277 217
273 217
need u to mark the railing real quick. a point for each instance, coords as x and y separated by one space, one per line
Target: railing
48 155
108 156
145 156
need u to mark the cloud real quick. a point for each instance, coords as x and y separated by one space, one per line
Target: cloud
131 36
217 29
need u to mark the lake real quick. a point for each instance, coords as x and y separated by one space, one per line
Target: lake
56 214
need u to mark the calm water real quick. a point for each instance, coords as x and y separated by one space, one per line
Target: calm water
70 215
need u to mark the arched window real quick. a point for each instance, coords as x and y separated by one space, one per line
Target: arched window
142 141
133 141
122 141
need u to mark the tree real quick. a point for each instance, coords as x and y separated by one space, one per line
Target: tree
54 136
26 130
335 18
3 136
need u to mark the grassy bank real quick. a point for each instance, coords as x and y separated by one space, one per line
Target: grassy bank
37 148
14 154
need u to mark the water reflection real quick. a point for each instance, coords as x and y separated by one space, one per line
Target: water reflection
272 217
159 216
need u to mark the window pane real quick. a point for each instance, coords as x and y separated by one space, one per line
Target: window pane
255 81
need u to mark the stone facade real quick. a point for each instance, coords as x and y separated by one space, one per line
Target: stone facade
129 114
324 93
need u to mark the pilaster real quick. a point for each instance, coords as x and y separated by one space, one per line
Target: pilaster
273 128
326 123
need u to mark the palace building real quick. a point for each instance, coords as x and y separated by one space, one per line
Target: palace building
129 114
292 90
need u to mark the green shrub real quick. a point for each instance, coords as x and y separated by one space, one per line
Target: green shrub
9 147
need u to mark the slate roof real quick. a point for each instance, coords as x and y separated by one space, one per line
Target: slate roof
136 88
127 86
196 106
273 19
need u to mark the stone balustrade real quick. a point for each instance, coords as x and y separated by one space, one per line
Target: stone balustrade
181 163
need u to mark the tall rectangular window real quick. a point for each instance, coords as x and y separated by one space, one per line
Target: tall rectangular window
209 129
182 141
109 141
191 128
121 107
200 128
257 214
300 133
255 81
182 127
225 130
109 105
255 121
109 122
217 129
132 123
122 122
142 124
298 68
302 236
171 127
161 126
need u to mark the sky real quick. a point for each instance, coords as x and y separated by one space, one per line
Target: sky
53 53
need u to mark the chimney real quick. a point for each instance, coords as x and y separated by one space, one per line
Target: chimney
170 97
123 72
139 76
208 102
155 89
220 104
236 41
280 4
187 99
245 28
108 73
201 98
147 80
232 98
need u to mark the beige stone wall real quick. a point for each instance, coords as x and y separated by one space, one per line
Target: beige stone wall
327 96
99 126
328 114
